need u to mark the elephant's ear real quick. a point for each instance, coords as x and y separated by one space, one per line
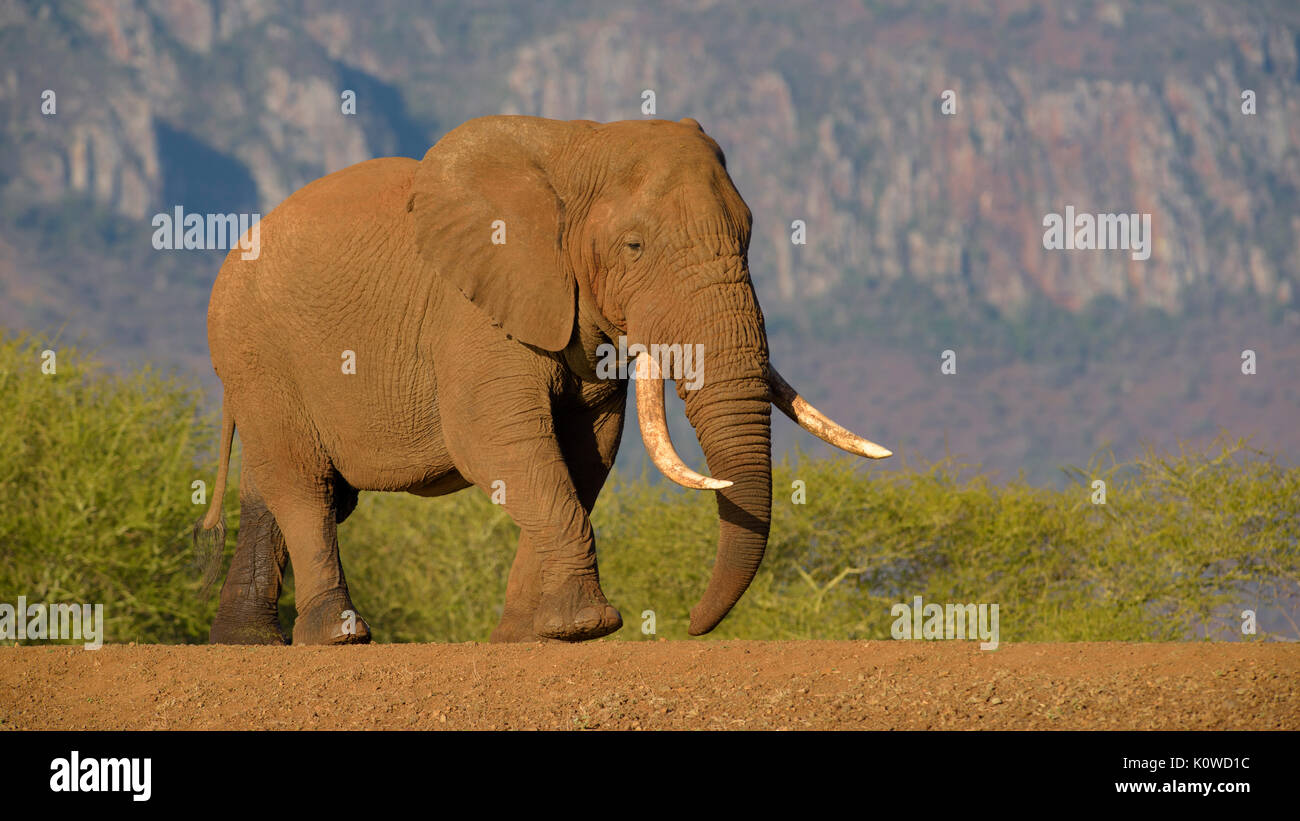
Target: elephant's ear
488 221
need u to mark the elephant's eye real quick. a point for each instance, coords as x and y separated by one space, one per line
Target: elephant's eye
633 248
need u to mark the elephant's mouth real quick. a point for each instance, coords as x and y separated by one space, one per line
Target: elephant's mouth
654 427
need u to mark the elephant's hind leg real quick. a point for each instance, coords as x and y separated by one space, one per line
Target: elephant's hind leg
304 493
248 612
326 614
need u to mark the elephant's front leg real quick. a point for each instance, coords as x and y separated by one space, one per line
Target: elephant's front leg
548 597
572 606
556 539
589 439
516 458
523 594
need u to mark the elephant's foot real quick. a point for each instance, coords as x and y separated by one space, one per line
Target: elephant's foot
231 631
330 619
515 628
576 611
243 622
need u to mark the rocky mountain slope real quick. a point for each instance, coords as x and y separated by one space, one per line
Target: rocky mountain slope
918 216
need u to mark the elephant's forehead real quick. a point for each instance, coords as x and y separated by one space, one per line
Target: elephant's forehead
671 169
699 197
688 173
686 199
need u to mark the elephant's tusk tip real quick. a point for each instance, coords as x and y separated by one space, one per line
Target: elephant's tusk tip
696 481
654 432
818 424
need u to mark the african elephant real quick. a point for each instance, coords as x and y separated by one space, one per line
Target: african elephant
475 291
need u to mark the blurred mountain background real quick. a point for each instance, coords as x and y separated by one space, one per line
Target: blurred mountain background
924 230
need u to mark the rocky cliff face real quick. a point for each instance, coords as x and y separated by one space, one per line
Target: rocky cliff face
1117 108
834 117
836 114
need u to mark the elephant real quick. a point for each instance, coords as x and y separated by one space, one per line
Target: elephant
473 292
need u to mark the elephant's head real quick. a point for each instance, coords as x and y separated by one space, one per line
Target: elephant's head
626 229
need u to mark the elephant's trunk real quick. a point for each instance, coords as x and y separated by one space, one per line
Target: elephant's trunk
731 411
732 418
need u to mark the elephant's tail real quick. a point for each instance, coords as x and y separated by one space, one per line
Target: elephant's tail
210 531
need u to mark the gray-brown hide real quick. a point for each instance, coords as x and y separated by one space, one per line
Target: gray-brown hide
472 290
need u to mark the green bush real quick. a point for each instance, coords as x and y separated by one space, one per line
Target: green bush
96 472
1182 545
95 491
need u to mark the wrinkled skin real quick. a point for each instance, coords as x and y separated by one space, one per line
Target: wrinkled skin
476 361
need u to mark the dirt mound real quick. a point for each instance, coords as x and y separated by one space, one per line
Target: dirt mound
677 685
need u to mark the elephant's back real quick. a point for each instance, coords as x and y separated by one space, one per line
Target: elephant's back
367 188
323 232
325 218
330 259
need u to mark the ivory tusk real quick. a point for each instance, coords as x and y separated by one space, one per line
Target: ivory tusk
815 422
654 432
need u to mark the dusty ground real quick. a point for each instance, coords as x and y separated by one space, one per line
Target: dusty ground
677 685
